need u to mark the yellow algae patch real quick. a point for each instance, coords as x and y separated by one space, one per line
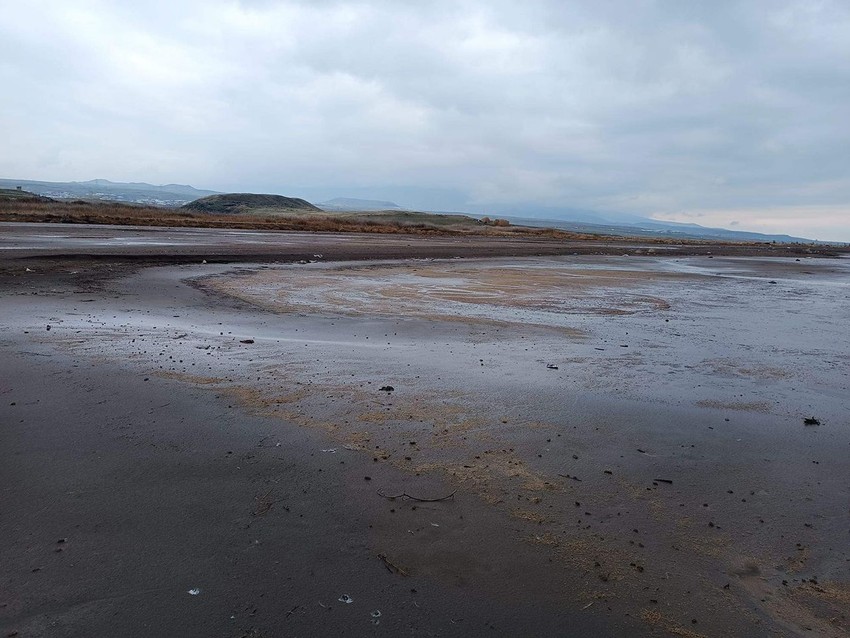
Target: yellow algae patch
833 592
263 400
446 291
655 618
528 515
731 367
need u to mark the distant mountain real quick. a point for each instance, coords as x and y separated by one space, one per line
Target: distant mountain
579 220
616 223
560 213
353 204
658 229
242 203
102 189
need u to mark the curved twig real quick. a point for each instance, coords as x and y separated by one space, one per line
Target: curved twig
415 498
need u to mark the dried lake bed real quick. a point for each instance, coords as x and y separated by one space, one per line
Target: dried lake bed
611 445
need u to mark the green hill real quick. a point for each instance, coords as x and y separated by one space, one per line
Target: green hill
16 195
249 203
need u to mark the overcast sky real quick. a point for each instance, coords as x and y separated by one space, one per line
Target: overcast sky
732 114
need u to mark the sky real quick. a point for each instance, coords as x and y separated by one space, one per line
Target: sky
731 114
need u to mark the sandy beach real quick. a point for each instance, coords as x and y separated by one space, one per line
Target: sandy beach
449 439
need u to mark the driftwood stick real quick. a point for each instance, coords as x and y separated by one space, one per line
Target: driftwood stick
415 498
392 567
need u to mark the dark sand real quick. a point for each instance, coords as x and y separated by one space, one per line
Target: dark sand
168 456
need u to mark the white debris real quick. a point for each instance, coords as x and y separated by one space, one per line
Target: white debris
345 598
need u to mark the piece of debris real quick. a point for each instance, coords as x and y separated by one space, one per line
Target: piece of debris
262 504
811 421
575 478
391 566
386 388
194 591
551 366
668 481
345 598
771 281
405 495
246 341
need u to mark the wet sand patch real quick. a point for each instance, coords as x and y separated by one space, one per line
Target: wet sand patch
638 494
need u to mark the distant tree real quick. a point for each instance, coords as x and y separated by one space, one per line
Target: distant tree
485 220
501 222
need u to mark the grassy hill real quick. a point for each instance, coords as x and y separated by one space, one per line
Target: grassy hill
250 203
13 194
279 207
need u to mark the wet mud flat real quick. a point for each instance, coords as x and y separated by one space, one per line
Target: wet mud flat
573 445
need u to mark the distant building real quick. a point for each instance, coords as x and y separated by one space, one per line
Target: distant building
19 188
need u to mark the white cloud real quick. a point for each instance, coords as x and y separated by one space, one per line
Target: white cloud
650 108
813 222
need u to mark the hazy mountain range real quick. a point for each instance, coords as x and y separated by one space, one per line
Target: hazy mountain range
133 192
605 223
353 204
646 227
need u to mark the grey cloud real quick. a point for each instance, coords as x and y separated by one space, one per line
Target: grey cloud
663 108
